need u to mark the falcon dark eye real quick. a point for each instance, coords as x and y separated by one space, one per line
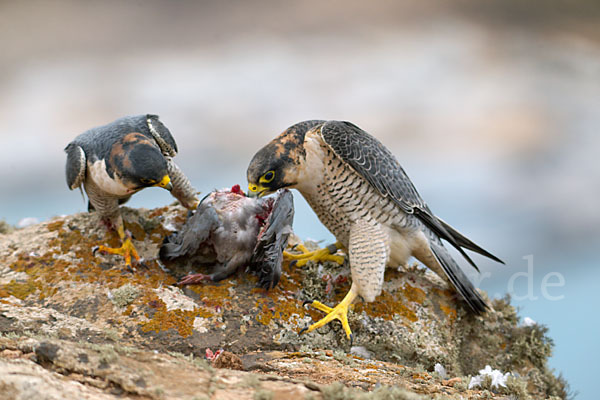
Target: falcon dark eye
268 177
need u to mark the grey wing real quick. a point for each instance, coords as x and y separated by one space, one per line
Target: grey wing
194 232
375 163
161 135
268 253
76 165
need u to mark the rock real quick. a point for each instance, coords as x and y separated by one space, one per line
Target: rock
228 360
111 332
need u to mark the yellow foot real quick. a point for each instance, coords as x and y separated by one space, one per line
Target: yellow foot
339 312
127 250
321 255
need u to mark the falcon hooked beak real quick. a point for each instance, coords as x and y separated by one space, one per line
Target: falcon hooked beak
257 190
165 183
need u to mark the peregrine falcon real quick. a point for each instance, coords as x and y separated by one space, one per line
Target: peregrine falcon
231 230
114 161
362 195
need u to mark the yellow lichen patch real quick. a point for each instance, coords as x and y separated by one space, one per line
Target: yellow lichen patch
286 309
446 302
137 231
47 272
112 239
158 211
414 294
283 299
289 280
446 294
74 241
39 279
20 289
386 306
265 316
282 309
180 320
54 226
449 311
214 294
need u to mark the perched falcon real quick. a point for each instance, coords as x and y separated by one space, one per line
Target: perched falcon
363 196
114 161
230 230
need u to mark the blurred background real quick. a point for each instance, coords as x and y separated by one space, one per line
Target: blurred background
493 109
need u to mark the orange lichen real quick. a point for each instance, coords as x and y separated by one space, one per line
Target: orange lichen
280 303
54 226
137 231
180 320
446 302
414 294
449 311
20 289
386 306
46 272
158 211
265 315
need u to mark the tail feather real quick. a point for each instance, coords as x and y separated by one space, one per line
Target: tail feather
458 278
467 243
437 227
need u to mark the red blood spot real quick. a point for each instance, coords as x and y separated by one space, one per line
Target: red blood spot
237 190
267 209
213 356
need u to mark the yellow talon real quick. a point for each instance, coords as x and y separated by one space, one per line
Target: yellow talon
339 312
126 250
321 255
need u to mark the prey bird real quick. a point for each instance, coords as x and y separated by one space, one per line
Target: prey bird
230 230
114 161
362 195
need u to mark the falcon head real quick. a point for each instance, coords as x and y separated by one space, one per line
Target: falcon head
277 165
138 163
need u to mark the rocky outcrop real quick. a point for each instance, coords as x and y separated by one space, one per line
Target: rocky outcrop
78 326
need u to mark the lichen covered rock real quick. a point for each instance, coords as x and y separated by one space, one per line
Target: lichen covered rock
53 290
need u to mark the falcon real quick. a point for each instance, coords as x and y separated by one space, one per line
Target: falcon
230 230
114 161
362 195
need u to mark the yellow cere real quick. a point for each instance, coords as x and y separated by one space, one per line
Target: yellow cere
164 181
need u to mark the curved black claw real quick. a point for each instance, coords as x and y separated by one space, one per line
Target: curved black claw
351 339
142 263
332 248
94 250
305 302
303 330
293 263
